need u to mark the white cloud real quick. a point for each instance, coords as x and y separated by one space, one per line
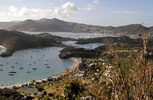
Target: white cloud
66 10
3 13
29 12
91 7
60 0
96 1
80 19
69 6
13 9
9 14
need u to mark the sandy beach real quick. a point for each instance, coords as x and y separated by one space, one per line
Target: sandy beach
75 65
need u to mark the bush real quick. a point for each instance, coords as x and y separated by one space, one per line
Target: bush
40 88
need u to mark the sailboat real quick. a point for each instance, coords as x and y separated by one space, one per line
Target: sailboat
45 63
28 71
1 67
34 68
47 67
12 71
12 66
11 74
21 67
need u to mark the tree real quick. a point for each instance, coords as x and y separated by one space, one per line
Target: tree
40 88
45 93
9 94
72 89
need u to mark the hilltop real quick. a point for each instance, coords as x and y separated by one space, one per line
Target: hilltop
56 25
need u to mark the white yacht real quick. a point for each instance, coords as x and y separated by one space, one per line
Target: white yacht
45 63
29 71
21 67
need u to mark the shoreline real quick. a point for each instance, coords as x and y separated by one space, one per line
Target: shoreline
75 65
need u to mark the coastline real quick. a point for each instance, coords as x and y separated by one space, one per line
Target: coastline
73 67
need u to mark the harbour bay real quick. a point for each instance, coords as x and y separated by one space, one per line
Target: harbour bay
39 58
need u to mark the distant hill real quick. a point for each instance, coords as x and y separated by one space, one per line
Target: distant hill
8 24
56 25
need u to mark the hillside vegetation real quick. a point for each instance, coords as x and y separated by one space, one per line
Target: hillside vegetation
14 40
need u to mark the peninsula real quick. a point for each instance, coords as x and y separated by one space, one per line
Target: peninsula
14 40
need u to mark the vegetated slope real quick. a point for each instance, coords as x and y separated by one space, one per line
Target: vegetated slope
129 29
56 25
28 25
14 40
78 52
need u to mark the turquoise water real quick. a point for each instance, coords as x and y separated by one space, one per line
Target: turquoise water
25 57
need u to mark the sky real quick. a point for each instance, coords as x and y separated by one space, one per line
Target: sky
93 12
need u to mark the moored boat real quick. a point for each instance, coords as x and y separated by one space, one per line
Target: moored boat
28 71
47 67
34 68
12 71
11 74
45 63
21 67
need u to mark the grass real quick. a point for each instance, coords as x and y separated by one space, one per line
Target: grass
27 90
93 60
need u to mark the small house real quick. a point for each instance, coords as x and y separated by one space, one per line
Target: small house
13 87
37 82
40 94
22 85
30 84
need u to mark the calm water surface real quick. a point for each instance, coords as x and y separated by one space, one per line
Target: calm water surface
26 57
73 35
